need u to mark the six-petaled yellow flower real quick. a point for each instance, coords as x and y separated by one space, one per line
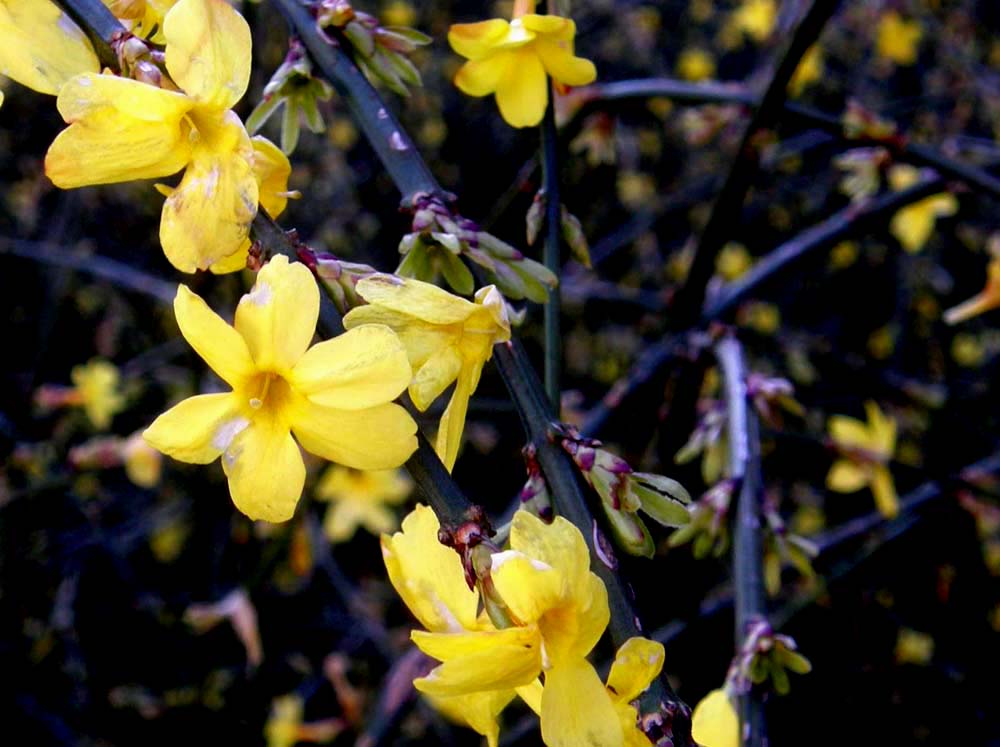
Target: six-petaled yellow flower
429 578
514 59
336 397
40 47
447 339
560 610
714 722
97 388
122 129
361 498
913 225
866 449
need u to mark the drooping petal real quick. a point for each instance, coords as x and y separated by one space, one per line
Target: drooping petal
421 339
578 633
265 470
380 437
196 430
480 77
271 169
428 576
278 317
558 544
884 490
478 711
576 709
41 47
207 218
219 345
714 722
474 40
551 26
531 694
414 298
449 435
120 130
523 93
637 663
528 586
483 660
208 51
562 65
434 376
846 477
849 432
364 367
233 263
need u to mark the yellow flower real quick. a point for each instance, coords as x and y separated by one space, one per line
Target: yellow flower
809 71
914 647
336 397
41 47
636 665
986 300
122 129
866 449
561 610
429 578
512 60
695 64
143 463
97 390
714 722
913 225
756 18
282 727
898 40
142 16
360 498
446 337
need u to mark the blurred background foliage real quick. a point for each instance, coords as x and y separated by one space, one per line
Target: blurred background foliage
140 608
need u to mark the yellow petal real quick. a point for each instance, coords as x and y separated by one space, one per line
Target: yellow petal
207 217
473 40
562 65
532 696
483 660
576 709
428 576
271 169
528 586
846 477
422 340
219 345
265 471
552 26
41 47
208 51
198 429
120 130
523 93
434 376
576 634
558 544
849 432
481 77
342 519
637 663
380 437
449 435
884 490
882 429
97 383
414 298
478 711
912 226
364 367
233 263
714 722
278 316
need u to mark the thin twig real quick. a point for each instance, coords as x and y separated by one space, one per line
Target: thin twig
552 254
748 566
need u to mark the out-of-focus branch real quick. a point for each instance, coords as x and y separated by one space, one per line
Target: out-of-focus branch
551 253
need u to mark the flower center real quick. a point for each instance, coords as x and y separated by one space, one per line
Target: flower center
268 393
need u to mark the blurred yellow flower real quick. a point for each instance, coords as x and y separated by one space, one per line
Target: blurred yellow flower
986 300
733 261
695 64
866 449
809 71
514 59
97 387
756 18
914 647
122 129
143 463
913 225
431 582
282 727
361 498
41 47
399 13
336 397
714 722
447 339
898 40
560 610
